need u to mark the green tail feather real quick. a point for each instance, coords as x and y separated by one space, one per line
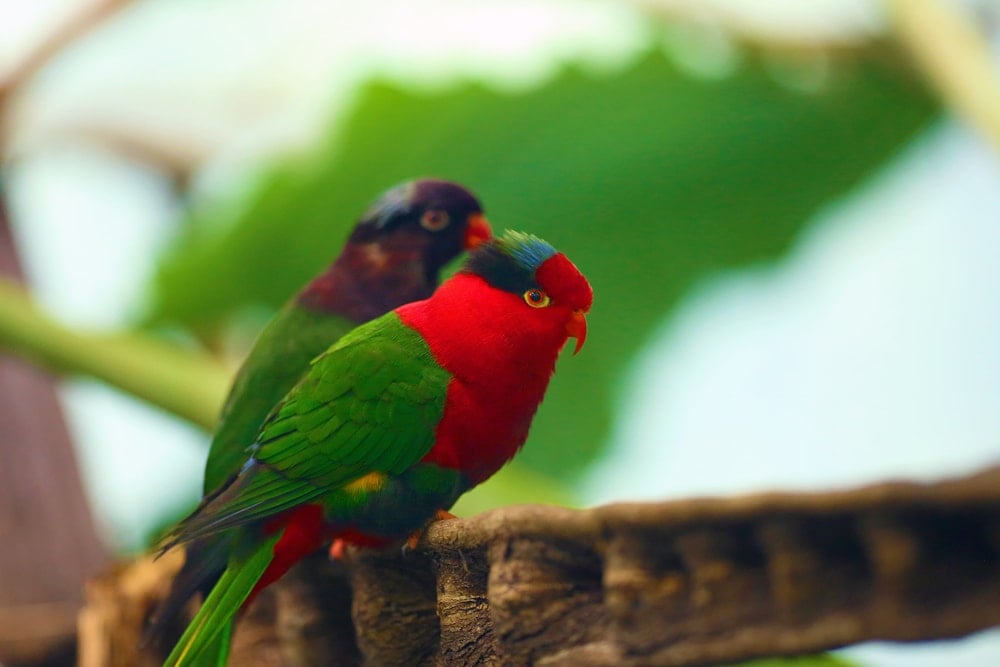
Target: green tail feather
219 653
206 641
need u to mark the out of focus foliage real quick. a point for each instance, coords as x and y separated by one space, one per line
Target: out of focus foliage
805 661
648 179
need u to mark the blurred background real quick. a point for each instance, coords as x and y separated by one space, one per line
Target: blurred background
789 212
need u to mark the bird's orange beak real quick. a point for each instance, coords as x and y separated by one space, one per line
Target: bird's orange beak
477 231
577 328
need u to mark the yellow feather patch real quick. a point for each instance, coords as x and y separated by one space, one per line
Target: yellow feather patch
373 481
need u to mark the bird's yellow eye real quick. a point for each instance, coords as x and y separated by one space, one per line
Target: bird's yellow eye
536 298
434 220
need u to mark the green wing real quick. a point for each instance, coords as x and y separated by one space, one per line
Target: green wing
369 404
279 358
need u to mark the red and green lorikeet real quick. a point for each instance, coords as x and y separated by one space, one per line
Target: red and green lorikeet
393 256
390 425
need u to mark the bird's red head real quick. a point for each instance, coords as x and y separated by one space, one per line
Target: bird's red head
510 310
554 292
566 287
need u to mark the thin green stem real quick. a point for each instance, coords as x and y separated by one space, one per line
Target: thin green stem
185 383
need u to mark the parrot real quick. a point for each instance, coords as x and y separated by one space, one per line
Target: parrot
389 426
393 256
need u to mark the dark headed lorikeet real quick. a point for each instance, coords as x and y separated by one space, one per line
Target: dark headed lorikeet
393 256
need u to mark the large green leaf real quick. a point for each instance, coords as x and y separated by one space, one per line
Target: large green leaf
647 179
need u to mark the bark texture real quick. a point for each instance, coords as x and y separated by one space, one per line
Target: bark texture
696 582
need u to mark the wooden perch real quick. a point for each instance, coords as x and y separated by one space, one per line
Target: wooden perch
694 582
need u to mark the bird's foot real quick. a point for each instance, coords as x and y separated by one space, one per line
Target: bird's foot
413 541
443 515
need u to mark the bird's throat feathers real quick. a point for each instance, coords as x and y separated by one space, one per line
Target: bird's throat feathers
369 279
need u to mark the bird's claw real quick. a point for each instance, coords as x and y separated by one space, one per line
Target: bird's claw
443 515
413 541
337 549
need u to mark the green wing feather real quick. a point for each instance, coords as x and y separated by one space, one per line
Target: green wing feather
369 404
279 358
207 638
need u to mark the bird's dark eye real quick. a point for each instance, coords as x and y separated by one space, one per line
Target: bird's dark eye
434 220
536 298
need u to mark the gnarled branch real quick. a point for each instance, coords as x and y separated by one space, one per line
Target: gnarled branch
692 582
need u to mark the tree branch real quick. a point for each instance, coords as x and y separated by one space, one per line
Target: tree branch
955 58
695 582
185 383
90 16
